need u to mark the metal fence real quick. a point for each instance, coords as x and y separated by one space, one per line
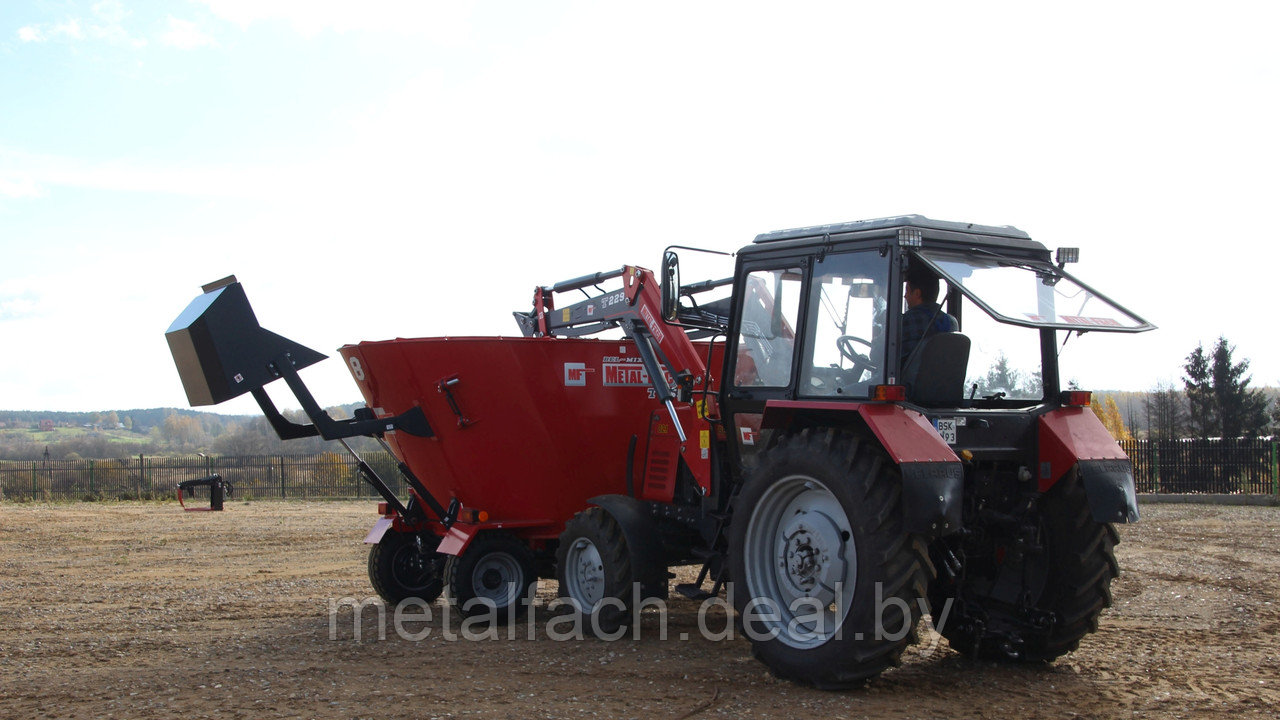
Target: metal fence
327 475
1228 467
1233 467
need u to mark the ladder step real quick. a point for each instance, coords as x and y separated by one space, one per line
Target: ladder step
693 592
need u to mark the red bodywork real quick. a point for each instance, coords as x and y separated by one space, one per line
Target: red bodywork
541 425
906 435
1069 435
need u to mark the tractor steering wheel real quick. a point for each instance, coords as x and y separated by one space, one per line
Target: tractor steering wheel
861 363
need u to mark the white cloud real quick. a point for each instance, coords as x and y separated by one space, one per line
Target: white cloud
21 186
30 33
186 35
445 22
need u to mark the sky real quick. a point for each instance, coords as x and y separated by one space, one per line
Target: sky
404 168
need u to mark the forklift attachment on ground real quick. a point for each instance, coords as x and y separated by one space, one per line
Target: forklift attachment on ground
218 490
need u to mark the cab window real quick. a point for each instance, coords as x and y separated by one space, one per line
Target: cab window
848 301
766 329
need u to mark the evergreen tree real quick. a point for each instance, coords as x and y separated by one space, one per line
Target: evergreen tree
1219 399
1201 418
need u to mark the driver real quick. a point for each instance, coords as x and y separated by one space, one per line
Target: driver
924 316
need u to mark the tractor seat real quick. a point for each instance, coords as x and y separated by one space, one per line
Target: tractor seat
935 372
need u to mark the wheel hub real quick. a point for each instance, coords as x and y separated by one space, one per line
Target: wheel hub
585 576
497 577
812 561
800 556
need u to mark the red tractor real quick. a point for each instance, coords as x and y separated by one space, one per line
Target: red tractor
839 458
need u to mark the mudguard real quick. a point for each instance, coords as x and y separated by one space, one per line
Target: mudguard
1109 486
379 529
644 544
1074 438
932 476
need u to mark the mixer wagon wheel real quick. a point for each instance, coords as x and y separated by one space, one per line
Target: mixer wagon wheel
401 568
593 567
1066 588
494 575
826 578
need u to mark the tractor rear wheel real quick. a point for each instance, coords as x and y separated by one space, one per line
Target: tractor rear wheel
406 565
495 574
827 581
593 567
1065 588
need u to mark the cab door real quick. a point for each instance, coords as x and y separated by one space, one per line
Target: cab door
763 347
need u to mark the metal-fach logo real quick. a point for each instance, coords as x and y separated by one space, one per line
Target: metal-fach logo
575 374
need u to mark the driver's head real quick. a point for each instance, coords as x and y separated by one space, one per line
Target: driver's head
922 285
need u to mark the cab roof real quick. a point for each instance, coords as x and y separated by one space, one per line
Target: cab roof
929 229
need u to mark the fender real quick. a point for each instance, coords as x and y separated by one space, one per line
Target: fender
644 544
932 476
1074 439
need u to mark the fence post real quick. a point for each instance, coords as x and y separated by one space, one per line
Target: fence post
282 493
1155 462
1275 471
35 480
91 478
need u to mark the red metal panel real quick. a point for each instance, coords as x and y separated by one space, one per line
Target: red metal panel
1071 434
906 434
551 419
379 529
458 538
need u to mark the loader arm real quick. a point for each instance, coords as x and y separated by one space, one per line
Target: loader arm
637 309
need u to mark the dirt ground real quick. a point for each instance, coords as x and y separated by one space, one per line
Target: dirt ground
143 611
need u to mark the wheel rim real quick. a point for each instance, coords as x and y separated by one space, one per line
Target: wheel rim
584 573
497 577
801 562
412 568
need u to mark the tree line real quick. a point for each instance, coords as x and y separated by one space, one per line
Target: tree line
1215 400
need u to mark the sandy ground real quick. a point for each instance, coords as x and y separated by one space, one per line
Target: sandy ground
143 611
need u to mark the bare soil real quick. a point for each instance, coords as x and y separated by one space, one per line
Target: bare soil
143 611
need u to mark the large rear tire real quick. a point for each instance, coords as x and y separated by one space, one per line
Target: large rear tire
826 580
1066 588
401 566
593 568
495 575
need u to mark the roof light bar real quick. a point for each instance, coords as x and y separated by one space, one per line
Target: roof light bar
1067 255
910 237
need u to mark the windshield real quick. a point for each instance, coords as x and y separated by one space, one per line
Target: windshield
1031 293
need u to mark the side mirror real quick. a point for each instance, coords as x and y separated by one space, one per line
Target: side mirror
670 286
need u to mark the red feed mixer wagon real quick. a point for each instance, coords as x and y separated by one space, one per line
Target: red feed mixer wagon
781 427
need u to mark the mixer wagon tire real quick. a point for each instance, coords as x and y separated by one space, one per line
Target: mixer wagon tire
494 575
826 580
400 569
1068 588
593 568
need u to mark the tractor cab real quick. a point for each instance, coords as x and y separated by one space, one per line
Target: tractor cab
819 318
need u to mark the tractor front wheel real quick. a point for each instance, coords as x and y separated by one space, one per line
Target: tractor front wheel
495 574
827 581
593 567
406 565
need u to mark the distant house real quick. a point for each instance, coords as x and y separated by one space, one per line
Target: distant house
46 425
